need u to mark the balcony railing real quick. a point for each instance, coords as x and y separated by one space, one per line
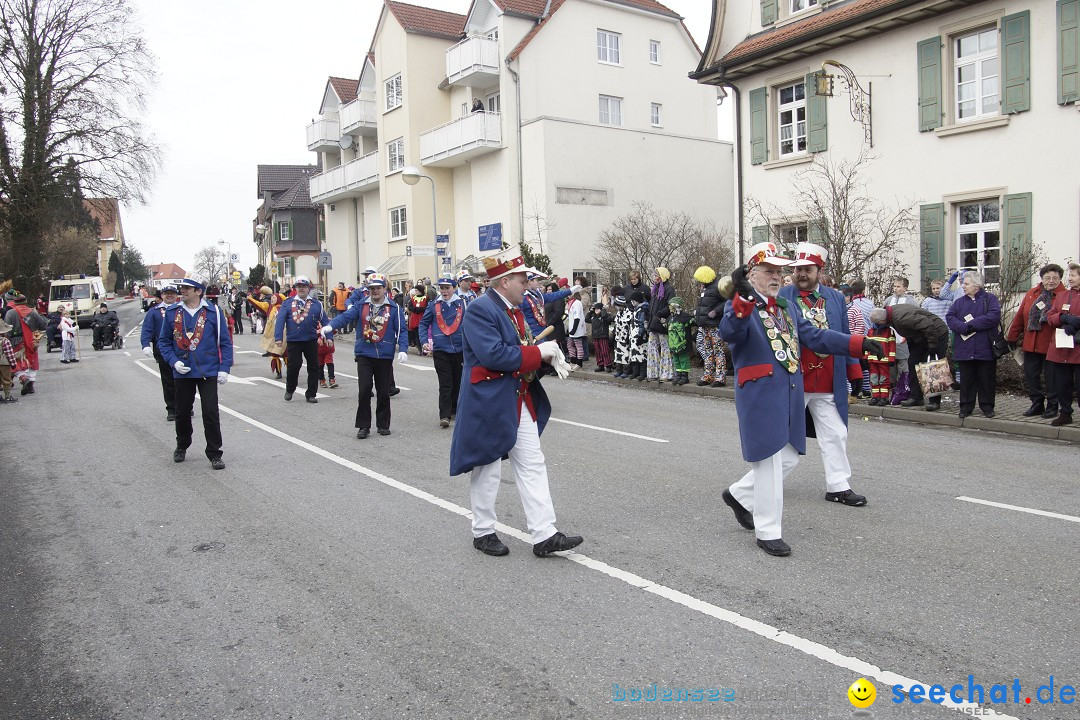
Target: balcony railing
474 61
462 139
349 180
322 134
358 117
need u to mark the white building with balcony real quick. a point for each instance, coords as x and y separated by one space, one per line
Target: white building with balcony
536 121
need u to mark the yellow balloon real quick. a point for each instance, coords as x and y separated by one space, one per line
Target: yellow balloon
862 693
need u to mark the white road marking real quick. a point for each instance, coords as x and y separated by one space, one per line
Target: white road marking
410 366
127 353
1044 513
246 352
132 330
338 373
608 430
764 630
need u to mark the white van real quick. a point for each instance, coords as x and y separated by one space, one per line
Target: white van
79 293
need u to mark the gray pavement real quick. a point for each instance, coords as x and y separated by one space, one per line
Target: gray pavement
319 576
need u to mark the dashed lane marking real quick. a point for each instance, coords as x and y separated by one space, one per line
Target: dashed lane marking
1017 508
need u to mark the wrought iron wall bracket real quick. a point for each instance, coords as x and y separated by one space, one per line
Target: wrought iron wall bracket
859 98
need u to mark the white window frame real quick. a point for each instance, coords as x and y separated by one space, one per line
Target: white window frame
793 6
975 61
283 231
656 115
393 93
399 223
654 52
792 234
980 230
493 102
794 106
608 47
395 155
465 108
492 34
610 110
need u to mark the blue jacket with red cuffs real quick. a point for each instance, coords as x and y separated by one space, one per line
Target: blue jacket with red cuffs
490 402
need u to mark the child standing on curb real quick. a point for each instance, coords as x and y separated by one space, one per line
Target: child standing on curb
624 320
678 340
600 321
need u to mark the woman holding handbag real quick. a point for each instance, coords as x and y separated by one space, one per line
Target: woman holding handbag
1064 350
974 318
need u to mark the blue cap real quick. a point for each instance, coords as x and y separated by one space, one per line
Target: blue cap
169 288
190 282
446 280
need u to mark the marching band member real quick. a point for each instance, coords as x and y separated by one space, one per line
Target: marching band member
443 318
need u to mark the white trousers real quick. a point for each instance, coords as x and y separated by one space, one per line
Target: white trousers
831 440
761 491
30 375
530 474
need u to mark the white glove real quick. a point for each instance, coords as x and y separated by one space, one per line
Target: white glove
402 357
148 351
427 347
327 330
181 368
222 378
549 350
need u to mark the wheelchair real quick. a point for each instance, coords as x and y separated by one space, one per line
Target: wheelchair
110 338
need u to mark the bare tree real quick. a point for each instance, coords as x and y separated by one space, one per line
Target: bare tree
538 226
646 238
866 237
73 77
1019 265
211 263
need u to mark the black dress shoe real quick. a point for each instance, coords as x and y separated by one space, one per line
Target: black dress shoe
911 403
964 414
720 383
179 454
557 543
394 391
217 463
1062 419
1051 411
362 433
777 547
988 413
311 400
288 396
932 406
846 497
170 417
744 516
491 545
1037 408
384 431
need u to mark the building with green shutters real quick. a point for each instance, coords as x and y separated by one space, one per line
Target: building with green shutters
970 111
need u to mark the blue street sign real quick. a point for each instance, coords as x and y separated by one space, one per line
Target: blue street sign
442 239
491 237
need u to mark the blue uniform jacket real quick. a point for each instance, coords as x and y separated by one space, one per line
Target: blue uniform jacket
151 325
358 295
394 340
440 341
307 329
541 300
487 409
765 391
214 353
836 317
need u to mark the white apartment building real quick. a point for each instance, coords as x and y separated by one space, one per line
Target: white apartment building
974 113
587 108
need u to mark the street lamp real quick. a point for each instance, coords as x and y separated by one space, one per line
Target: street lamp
228 257
411 175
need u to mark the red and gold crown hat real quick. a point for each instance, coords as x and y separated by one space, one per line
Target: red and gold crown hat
810 254
766 253
504 263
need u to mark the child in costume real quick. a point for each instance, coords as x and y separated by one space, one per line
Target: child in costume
600 321
639 336
326 362
879 366
624 320
678 340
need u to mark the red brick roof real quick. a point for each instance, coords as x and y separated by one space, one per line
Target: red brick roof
345 88
428 21
534 8
833 15
556 4
166 271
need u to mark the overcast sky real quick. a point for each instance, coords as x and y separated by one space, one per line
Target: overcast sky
238 82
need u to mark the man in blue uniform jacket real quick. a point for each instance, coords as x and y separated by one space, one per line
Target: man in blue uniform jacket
150 328
443 319
764 336
194 339
503 409
299 321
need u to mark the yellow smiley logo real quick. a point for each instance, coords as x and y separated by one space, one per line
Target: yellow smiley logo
862 693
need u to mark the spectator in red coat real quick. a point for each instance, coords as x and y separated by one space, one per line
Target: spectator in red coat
1031 330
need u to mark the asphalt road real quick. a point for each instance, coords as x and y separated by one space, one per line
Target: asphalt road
319 576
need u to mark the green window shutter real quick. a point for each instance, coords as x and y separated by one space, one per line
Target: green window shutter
759 151
815 231
932 241
760 234
817 132
930 84
292 237
1068 51
322 230
768 12
1017 221
277 232
1016 62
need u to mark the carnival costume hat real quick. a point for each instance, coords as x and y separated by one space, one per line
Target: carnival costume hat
676 301
464 275
301 280
807 254
169 289
504 263
766 253
377 280
266 290
447 280
192 282
370 270
663 273
704 274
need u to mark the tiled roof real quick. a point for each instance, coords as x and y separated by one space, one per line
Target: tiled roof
166 271
106 211
345 88
297 197
276 178
533 8
556 4
427 21
833 15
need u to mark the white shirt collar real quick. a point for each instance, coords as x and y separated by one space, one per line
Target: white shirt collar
506 302
200 306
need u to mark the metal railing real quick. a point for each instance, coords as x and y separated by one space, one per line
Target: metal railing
353 175
472 55
323 132
357 113
480 129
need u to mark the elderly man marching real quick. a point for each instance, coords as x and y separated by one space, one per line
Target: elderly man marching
503 409
380 331
765 335
151 328
299 322
825 379
443 318
194 339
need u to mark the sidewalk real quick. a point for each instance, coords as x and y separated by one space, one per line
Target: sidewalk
1008 409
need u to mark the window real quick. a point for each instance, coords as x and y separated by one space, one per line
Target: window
978 238
398 226
607 47
492 34
654 52
395 154
656 114
976 68
284 231
464 109
393 92
610 110
791 113
494 103
800 5
792 235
